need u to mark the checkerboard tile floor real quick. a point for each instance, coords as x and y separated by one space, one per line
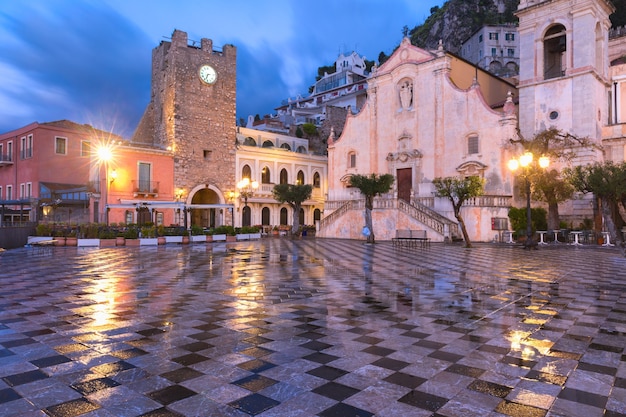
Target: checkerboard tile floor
316 327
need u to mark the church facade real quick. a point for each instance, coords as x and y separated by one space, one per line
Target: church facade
430 114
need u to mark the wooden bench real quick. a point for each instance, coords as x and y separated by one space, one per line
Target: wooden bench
411 238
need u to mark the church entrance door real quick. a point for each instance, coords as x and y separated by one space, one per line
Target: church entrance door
405 182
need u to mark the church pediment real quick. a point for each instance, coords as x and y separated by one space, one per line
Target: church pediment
404 156
406 53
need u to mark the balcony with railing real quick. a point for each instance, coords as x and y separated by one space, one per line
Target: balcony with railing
145 188
6 159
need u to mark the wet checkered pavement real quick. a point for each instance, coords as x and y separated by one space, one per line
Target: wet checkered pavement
316 327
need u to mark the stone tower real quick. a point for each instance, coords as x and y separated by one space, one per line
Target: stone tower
192 113
564 76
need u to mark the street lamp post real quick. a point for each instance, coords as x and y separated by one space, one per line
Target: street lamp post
526 162
105 156
246 190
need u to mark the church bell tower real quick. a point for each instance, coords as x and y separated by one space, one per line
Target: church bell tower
564 77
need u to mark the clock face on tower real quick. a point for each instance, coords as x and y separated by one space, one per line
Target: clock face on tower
207 74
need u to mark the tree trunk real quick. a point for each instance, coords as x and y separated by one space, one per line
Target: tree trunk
295 228
553 216
458 216
609 223
368 224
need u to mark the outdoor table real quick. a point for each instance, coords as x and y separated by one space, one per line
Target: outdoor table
507 234
607 239
556 236
576 234
541 234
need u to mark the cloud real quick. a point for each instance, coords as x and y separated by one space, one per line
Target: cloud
90 61
84 62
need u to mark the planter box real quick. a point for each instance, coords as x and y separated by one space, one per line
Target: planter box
34 239
107 243
87 242
132 242
255 235
219 238
173 239
231 238
148 241
120 241
243 236
198 238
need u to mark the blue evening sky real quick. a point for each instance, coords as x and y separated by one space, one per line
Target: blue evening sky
89 61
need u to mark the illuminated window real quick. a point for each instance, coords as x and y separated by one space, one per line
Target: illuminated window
265 175
246 172
316 180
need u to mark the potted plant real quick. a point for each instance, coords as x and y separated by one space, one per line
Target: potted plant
131 235
71 236
220 233
108 237
58 234
197 234
88 235
148 235
160 234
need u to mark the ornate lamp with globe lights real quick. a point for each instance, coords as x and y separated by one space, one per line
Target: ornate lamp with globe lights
527 163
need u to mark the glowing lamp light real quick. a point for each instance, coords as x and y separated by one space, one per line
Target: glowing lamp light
544 162
513 164
526 159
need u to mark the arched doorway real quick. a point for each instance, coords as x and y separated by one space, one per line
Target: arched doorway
204 217
245 216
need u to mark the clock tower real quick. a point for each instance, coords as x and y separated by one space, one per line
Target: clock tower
192 113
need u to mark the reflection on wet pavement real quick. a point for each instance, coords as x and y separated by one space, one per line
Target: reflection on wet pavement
312 328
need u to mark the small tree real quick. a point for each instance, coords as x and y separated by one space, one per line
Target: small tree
608 182
294 195
371 186
458 190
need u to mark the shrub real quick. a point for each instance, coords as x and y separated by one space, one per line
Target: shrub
224 230
197 230
107 233
538 217
148 231
43 229
131 232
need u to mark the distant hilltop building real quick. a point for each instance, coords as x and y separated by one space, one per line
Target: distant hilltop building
327 105
494 48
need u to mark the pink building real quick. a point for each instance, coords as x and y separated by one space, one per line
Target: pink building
55 172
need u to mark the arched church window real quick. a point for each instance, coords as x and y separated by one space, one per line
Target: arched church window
352 159
554 48
300 178
316 180
265 175
284 177
246 172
